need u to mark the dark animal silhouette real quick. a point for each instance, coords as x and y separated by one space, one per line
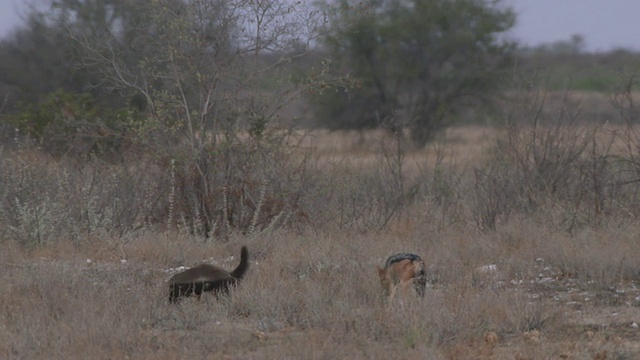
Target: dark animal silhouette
206 277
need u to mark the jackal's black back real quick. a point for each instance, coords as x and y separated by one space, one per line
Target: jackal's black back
399 257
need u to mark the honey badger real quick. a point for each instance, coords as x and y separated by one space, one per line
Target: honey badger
207 277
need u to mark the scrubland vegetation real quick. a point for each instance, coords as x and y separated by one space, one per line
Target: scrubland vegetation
524 202
530 233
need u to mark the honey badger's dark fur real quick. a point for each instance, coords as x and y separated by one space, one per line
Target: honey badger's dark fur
206 277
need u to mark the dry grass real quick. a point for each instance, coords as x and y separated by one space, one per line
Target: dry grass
529 289
317 296
456 144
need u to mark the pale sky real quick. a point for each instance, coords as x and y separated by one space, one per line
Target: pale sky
604 24
8 16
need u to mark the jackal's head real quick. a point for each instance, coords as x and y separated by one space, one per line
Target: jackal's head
400 271
385 281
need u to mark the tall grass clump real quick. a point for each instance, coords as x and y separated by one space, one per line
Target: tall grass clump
47 199
553 166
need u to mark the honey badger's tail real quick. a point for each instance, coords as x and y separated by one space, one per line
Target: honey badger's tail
241 269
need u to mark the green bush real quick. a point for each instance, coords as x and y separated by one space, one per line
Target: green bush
70 123
413 63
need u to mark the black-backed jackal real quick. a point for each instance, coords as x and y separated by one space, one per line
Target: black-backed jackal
400 272
206 277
